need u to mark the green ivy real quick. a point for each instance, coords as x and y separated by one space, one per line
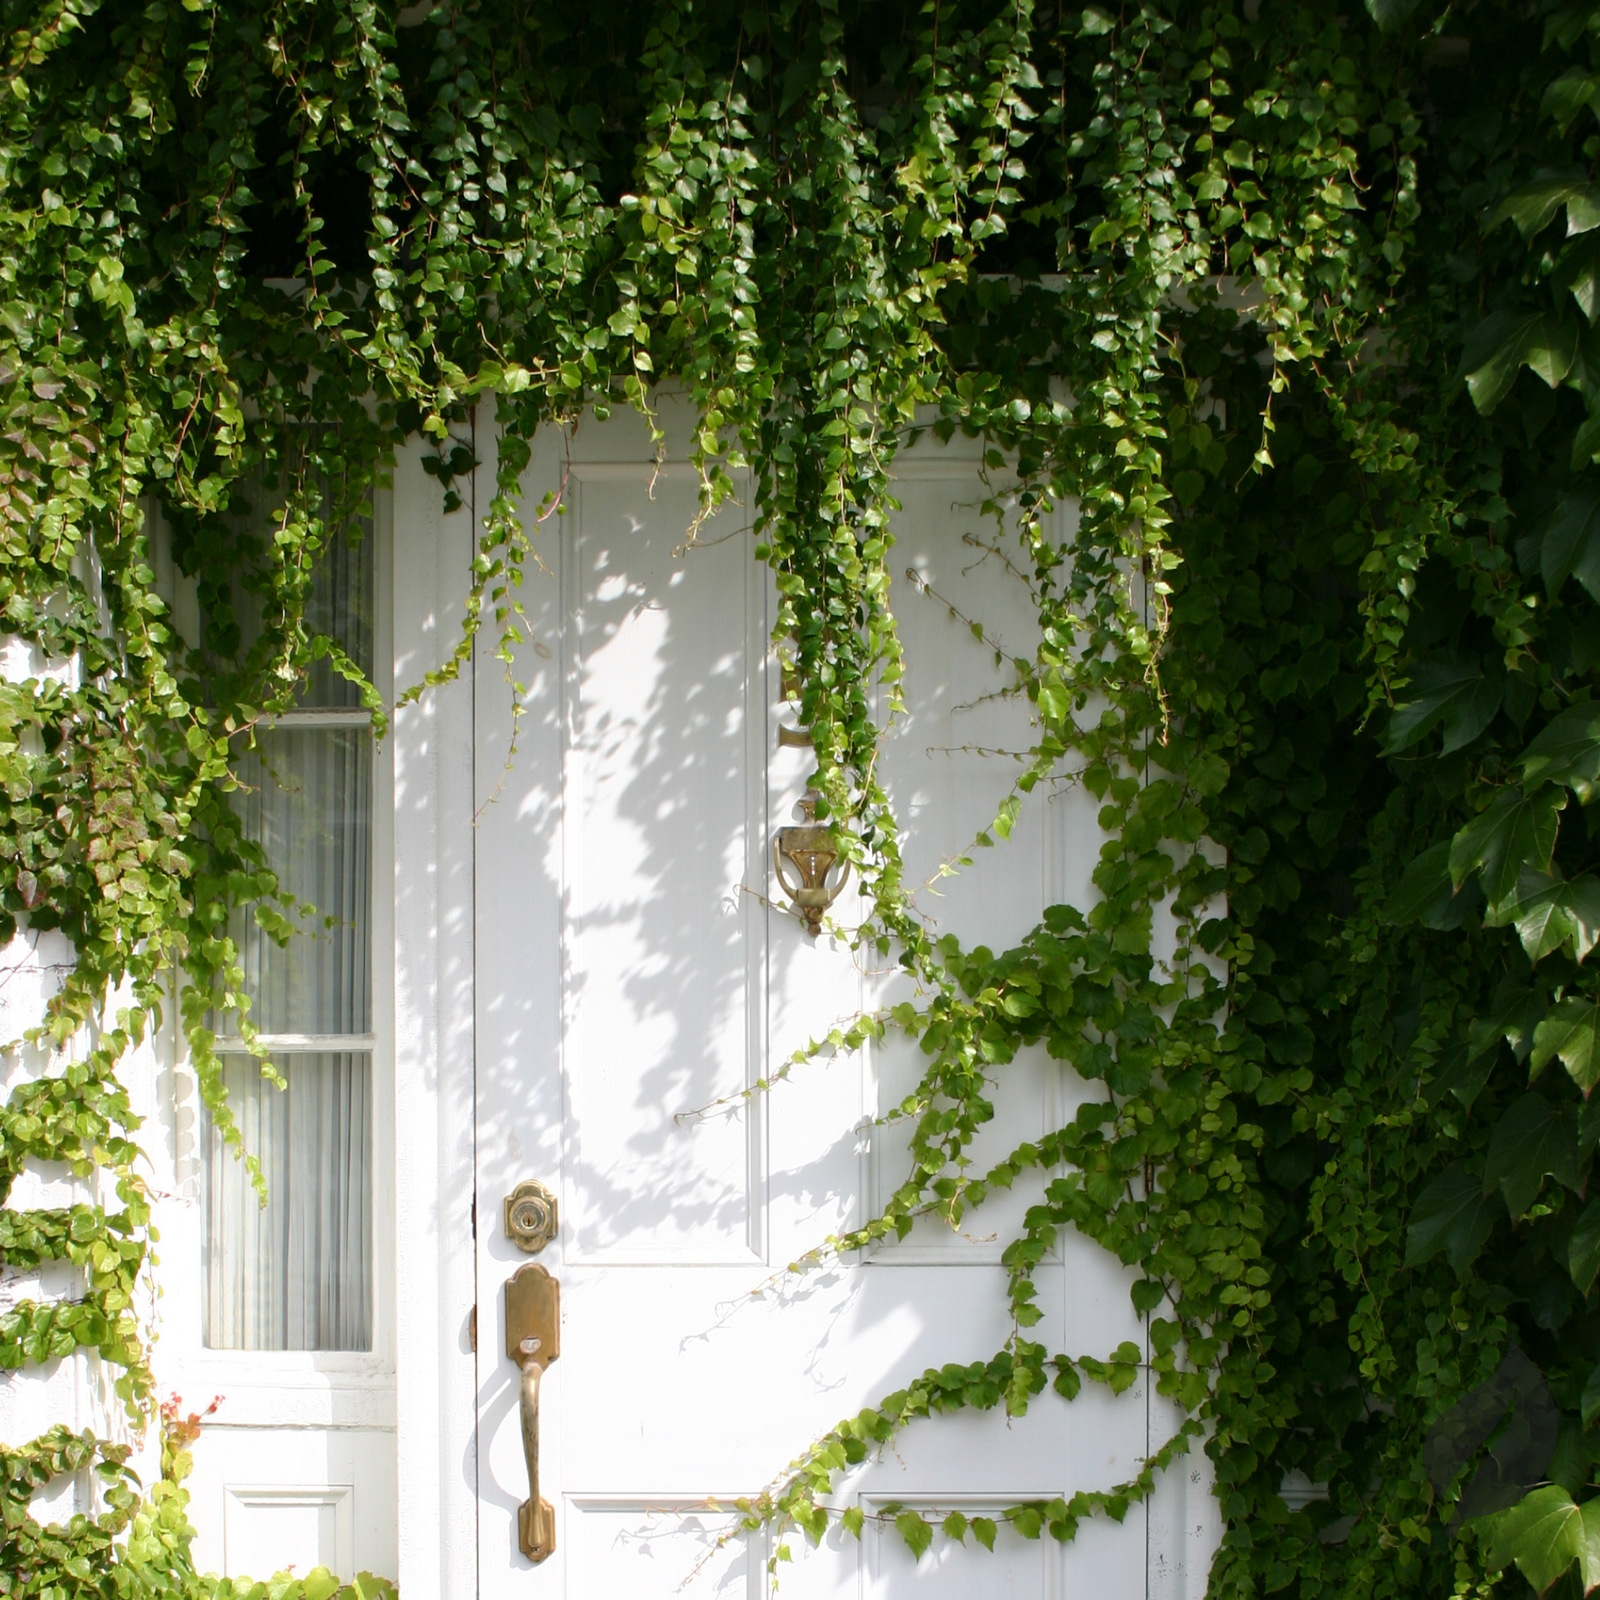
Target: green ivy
1296 303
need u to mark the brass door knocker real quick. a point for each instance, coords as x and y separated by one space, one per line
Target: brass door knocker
812 855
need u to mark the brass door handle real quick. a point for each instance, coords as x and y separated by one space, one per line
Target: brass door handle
533 1341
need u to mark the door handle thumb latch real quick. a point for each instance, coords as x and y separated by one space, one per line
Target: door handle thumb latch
533 1341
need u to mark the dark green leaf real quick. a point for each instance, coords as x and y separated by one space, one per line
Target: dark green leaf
1567 95
1533 205
1572 542
1514 1012
1460 1074
1533 1139
1583 1248
1452 1214
1426 894
1589 1405
1462 697
1579 274
1516 831
1567 751
1506 341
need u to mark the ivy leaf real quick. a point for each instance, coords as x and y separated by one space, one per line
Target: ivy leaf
915 1530
1583 1248
1550 912
1461 697
1572 543
1589 1405
1567 95
1533 205
1534 1138
1389 14
1578 272
1147 1294
1517 830
1452 1214
983 1530
1514 1012
1426 894
1567 751
1571 1031
955 1527
1544 1534
1460 1074
1506 341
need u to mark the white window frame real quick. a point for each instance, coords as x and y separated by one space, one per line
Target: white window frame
297 1388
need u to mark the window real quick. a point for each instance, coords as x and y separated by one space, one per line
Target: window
296 1274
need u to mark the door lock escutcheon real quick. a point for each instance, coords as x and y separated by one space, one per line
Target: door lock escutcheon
533 1341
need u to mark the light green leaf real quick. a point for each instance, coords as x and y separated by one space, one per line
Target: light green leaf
1572 542
1389 14
1461 697
1534 1139
1452 1214
1517 830
1550 912
983 1530
1571 1031
1506 341
1543 1534
1567 751
915 1530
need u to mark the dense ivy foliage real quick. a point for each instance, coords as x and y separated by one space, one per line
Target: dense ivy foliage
1297 302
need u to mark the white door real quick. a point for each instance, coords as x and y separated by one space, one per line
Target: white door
631 980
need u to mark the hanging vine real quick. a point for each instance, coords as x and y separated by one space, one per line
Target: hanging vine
1295 303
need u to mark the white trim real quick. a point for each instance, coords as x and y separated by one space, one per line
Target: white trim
341 1044
299 1388
870 1551
332 716
436 1401
240 1499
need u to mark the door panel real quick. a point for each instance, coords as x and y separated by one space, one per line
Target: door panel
663 984
632 980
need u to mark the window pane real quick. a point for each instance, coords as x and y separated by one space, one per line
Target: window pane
343 591
308 802
341 607
293 1274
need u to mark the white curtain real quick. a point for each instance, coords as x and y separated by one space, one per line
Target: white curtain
308 801
293 1274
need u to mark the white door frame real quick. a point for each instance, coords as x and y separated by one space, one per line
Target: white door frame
436 1288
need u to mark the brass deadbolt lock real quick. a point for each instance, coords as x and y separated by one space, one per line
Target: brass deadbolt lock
531 1218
